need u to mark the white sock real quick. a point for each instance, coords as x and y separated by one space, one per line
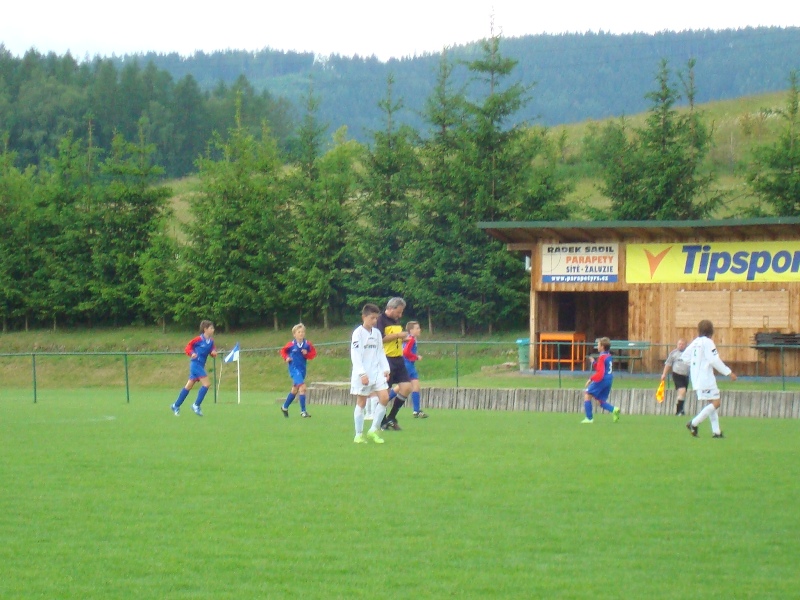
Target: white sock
358 417
372 402
703 415
714 418
377 417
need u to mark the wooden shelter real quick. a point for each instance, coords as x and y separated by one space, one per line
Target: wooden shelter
653 281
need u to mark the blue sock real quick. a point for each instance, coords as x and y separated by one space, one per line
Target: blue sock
181 397
302 403
201 393
587 406
415 401
607 406
289 400
392 394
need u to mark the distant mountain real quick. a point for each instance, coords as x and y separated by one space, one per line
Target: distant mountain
576 76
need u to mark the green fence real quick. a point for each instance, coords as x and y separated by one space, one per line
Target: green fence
445 364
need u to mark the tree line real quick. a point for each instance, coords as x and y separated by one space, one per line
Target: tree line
44 97
86 234
578 76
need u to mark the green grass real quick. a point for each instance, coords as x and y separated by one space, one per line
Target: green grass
104 499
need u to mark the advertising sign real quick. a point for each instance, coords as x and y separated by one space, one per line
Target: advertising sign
713 262
580 263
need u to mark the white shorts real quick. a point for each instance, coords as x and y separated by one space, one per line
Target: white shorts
358 389
708 395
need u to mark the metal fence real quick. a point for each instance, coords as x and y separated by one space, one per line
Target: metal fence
452 364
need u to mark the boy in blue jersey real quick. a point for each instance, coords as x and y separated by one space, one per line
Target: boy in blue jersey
599 385
198 350
296 353
411 357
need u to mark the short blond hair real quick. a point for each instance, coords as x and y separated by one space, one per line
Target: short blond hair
297 327
605 343
411 324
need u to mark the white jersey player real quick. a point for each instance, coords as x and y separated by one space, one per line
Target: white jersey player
370 371
703 359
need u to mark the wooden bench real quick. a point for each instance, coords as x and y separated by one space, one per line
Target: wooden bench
767 341
626 351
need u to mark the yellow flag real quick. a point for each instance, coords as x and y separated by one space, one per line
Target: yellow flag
660 392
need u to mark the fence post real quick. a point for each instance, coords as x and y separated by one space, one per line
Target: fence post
783 372
127 385
33 358
558 362
456 365
214 372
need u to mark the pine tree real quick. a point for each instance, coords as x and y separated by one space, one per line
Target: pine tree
129 206
655 172
322 185
775 173
235 259
388 186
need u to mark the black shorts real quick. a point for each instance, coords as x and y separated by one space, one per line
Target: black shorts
680 381
397 370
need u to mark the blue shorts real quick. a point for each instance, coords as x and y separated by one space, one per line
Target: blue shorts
196 371
298 375
600 389
411 368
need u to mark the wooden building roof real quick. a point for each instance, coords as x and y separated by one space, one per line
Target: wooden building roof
523 233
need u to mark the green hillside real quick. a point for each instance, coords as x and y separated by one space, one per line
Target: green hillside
738 126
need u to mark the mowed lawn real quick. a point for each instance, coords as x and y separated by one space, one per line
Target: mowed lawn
107 499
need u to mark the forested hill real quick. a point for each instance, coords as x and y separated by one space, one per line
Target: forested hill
576 76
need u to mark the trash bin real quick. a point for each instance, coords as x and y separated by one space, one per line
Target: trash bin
524 350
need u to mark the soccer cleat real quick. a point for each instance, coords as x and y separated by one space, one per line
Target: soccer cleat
373 435
692 429
615 414
285 412
420 415
360 439
176 410
718 435
197 410
393 426
588 421
305 415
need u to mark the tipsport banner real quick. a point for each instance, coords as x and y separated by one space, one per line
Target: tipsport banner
580 263
713 261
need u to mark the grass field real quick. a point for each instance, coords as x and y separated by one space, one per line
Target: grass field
108 499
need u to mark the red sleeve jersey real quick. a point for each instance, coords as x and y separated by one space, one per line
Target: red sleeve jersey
602 367
410 349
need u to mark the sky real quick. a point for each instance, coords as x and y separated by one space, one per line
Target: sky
385 29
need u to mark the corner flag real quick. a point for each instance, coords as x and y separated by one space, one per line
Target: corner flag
233 355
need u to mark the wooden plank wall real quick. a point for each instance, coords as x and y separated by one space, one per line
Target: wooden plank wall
784 405
663 313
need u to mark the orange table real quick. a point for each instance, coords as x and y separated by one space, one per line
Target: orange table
570 351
